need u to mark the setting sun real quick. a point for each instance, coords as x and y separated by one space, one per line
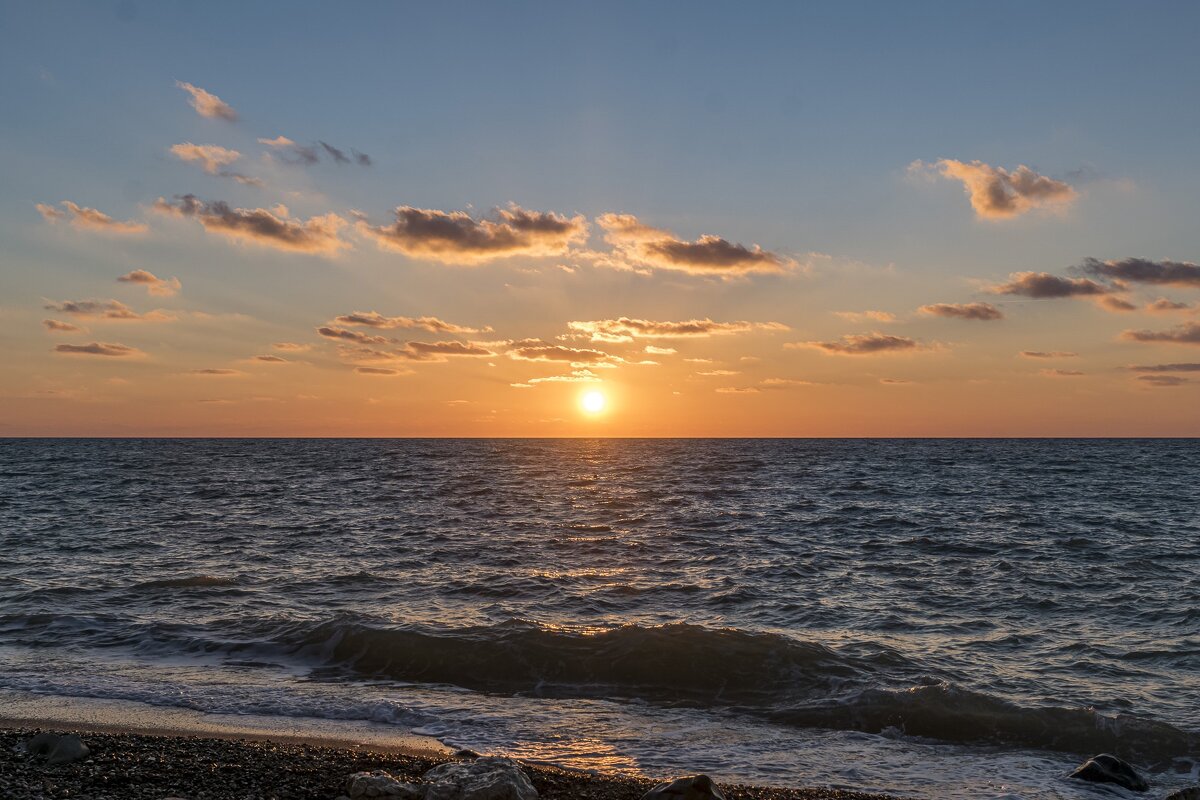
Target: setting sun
592 402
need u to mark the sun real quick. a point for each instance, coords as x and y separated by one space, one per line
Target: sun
592 401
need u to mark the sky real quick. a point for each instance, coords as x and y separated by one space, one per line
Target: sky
707 219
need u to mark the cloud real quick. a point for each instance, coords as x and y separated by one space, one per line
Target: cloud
291 347
317 235
291 152
736 390
1177 367
437 351
373 319
1164 306
208 104
860 316
105 309
1187 333
376 371
98 349
660 351
996 193
90 219
862 344
214 372
708 255
455 237
331 332
1061 373
626 329
159 287
210 157
1047 354
1163 380
1044 285
337 155
972 311
57 326
894 381
782 383
576 376
1115 304
1140 270
714 373
269 359
537 350
362 159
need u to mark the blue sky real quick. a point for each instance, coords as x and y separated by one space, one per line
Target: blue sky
791 126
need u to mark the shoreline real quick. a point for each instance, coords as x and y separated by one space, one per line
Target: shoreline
133 764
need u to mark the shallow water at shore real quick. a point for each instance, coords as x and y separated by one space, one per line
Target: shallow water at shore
973 615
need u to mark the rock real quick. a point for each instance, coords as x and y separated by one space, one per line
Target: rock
57 749
1190 793
378 783
699 787
1110 769
481 779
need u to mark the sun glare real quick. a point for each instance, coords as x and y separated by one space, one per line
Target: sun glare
592 402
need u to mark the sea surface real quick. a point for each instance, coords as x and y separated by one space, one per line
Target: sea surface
949 618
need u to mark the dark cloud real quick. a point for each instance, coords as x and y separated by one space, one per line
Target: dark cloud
709 255
1062 373
337 155
376 371
1044 285
862 344
971 311
272 359
352 336
537 350
98 349
214 371
1164 306
317 235
362 159
58 326
455 237
1163 380
1048 354
1140 270
996 193
1116 304
1177 367
437 351
626 329
373 319
1187 333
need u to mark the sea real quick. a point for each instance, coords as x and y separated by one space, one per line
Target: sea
957 618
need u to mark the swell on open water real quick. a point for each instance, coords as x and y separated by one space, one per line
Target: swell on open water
956 618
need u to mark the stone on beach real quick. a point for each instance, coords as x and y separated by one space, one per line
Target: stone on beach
57 749
699 787
378 783
482 779
1105 768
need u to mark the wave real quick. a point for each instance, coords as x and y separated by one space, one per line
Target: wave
189 582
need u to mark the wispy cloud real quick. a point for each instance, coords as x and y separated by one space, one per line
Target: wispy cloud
1047 354
270 359
210 157
1061 373
377 371
106 310
159 287
455 237
862 316
1164 306
208 104
373 319
1118 305
269 228
969 311
1163 380
1187 333
1177 367
538 350
652 247
626 329
98 349
995 193
58 326
90 219
864 344
216 372
290 152
291 347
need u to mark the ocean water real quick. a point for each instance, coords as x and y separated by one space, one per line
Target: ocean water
951 618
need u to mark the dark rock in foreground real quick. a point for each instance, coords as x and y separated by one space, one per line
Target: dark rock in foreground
700 787
57 749
1110 769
